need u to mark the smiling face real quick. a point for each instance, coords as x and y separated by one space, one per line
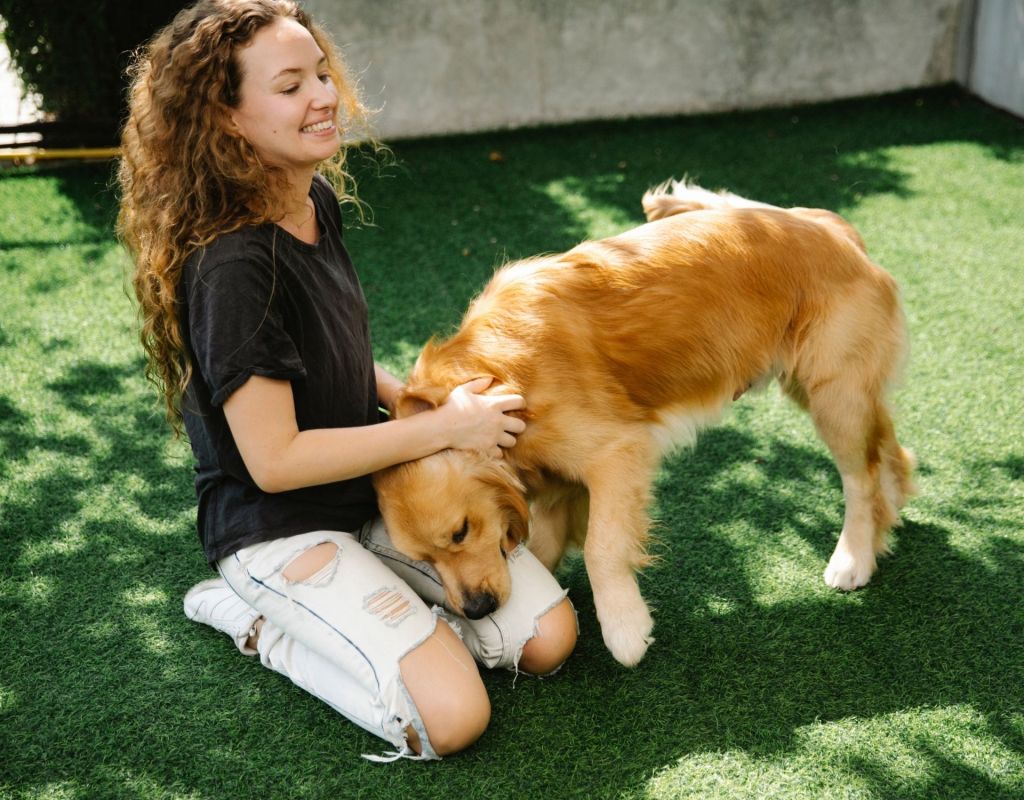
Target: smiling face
464 514
288 101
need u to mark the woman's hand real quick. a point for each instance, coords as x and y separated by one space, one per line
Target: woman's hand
475 421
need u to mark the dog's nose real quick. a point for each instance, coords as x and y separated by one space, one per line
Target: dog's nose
479 605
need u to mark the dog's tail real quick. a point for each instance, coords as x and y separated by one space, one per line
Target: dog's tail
677 197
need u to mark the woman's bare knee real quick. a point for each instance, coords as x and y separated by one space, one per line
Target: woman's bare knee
310 561
445 685
554 642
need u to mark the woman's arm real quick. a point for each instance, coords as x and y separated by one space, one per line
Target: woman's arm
387 385
280 457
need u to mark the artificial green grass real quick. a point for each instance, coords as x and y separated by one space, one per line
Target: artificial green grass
762 682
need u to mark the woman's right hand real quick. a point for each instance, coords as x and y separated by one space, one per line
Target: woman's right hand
475 421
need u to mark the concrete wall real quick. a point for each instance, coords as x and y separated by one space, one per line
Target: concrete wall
993 66
446 66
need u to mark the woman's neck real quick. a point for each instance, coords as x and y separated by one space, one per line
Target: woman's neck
298 213
297 195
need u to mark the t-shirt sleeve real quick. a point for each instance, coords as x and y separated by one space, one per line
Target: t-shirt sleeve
236 328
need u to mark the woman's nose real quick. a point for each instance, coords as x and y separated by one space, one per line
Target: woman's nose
324 94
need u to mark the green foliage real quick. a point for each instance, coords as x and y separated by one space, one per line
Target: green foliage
73 54
761 683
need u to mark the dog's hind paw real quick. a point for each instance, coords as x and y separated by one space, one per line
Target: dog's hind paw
629 636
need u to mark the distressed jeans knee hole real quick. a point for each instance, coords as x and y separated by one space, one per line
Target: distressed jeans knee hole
314 566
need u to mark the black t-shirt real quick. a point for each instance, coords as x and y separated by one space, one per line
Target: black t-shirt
258 301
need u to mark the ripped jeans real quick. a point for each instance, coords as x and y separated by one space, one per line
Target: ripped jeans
340 633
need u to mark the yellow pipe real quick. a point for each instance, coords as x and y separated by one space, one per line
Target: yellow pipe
40 153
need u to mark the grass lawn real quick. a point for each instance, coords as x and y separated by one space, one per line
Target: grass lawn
762 682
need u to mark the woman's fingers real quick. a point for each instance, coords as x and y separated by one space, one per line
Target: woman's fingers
509 402
514 425
487 416
504 401
476 385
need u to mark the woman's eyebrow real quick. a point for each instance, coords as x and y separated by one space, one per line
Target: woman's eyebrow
289 70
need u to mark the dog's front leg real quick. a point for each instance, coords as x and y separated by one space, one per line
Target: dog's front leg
615 548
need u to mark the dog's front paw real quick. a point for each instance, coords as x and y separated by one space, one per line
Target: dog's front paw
844 571
627 634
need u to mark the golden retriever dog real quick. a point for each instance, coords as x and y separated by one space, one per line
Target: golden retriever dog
624 348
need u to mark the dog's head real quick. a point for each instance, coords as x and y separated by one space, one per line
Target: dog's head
463 512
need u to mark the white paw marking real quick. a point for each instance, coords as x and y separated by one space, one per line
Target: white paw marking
627 634
844 571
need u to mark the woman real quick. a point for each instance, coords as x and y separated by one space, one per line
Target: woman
256 328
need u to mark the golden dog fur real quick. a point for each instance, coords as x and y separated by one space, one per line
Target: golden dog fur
625 348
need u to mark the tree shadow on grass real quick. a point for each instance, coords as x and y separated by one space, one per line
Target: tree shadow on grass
16 439
64 218
121 443
1013 466
135 434
802 156
86 187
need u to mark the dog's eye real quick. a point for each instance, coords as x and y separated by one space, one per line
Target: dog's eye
460 535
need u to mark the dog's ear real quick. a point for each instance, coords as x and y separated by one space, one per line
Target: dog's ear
413 400
511 500
518 524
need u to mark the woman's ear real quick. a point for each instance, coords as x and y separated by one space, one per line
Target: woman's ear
227 119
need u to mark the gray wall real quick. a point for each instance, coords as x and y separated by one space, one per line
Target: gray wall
993 63
448 66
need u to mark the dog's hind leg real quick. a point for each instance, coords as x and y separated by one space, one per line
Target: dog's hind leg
854 425
614 549
897 478
843 364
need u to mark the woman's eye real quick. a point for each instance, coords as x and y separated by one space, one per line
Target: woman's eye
460 535
324 78
290 90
